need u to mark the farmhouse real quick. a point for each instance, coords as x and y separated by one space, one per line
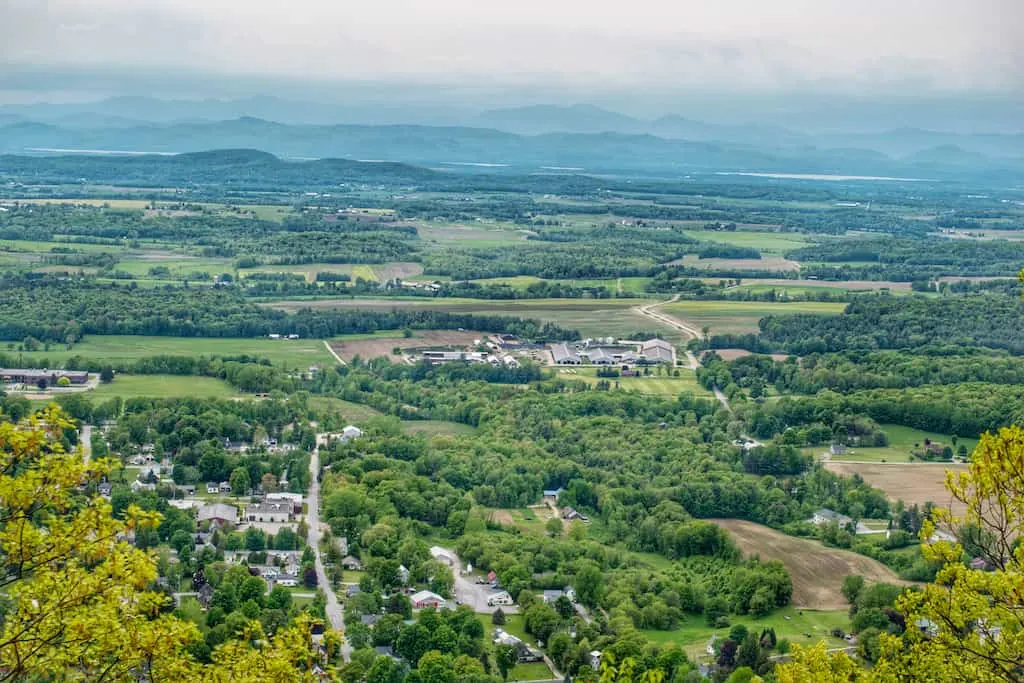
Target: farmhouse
351 432
550 596
50 377
424 599
270 511
212 487
564 355
218 514
837 449
288 580
824 516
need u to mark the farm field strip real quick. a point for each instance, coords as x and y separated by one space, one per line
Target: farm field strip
742 317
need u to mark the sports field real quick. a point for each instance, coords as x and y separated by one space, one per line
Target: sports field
741 317
123 348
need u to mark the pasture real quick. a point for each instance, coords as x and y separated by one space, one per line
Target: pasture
437 428
764 241
126 348
817 571
902 441
770 263
164 386
741 317
384 344
912 482
371 273
811 287
662 385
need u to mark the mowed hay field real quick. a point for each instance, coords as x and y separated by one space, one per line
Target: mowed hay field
383 345
911 483
817 571
164 386
772 263
591 317
741 317
373 273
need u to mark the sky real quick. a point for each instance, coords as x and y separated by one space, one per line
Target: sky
745 46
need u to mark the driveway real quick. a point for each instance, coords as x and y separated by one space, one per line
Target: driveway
466 591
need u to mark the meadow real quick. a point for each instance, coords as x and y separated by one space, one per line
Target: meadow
766 242
741 317
662 385
299 353
164 386
901 442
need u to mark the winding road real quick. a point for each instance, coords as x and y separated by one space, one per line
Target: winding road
650 311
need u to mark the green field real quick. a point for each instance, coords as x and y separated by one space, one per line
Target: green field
694 635
436 427
299 353
592 317
741 317
164 386
514 626
627 285
901 442
766 242
663 385
352 412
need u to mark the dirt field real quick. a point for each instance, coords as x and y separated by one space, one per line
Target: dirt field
857 285
817 571
382 346
911 483
764 263
733 354
502 517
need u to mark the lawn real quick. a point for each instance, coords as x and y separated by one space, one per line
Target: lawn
901 442
742 317
693 636
123 348
662 385
165 386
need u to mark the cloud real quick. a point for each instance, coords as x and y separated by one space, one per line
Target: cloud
728 44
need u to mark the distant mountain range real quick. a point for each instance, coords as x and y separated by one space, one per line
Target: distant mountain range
542 137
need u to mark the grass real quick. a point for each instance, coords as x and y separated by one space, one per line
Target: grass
436 427
165 386
125 348
353 412
901 442
766 242
661 385
694 635
741 317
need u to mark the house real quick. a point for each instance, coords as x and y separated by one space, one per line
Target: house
139 486
186 489
940 535
600 356
369 619
352 590
837 449
654 351
570 514
553 494
424 599
50 377
499 598
351 432
927 627
218 514
224 487
824 516
979 564
212 487
287 580
351 563
293 499
270 511
550 596
104 489
386 651
595 659
403 574
562 354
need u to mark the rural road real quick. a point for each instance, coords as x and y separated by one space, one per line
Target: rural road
327 345
464 590
334 611
85 438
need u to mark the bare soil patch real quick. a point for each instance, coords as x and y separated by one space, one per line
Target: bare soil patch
382 346
502 517
910 482
399 271
764 263
817 571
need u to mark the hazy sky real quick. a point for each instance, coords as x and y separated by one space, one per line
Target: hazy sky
856 45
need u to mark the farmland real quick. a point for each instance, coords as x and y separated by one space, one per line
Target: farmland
912 483
766 242
772 263
662 385
741 317
164 386
817 571
120 348
902 440
384 344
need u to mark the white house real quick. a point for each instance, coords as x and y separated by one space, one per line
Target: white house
212 487
499 598
218 514
824 516
287 580
351 432
426 599
270 511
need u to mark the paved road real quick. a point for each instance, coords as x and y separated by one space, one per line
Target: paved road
466 591
85 438
335 612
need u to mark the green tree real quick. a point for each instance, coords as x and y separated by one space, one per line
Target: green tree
240 483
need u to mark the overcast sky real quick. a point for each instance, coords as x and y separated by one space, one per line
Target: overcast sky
741 45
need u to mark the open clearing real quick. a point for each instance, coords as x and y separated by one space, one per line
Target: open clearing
776 242
125 348
662 385
733 354
374 273
902 441
772 263
911 483
382 346
741 317
812 286
164 386
817 571
789 622
592 317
